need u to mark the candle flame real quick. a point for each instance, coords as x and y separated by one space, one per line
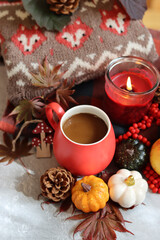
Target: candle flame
129 84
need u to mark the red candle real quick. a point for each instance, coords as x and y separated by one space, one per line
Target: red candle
125 106
139 83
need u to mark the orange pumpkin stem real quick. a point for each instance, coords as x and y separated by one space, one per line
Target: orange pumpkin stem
86 187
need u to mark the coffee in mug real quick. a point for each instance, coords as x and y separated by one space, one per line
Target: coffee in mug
82 158
85 128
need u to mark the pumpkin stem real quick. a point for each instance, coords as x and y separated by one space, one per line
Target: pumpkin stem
86 187
129 180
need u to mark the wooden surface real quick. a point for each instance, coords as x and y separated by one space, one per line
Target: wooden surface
151 18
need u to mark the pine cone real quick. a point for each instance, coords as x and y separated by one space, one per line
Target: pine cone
56 184
63 6
157 95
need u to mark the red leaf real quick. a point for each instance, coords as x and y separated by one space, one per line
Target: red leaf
80 216
88 232
117 226
108 207
105 176
100 225
117 213
108 231
97 230
10 161
65 205
105 210
46 202
84 224
4 159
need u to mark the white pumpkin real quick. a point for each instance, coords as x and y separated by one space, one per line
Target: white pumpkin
127 188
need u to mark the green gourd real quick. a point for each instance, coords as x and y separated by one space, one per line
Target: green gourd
131 154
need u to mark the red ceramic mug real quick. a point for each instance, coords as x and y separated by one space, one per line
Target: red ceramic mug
81 159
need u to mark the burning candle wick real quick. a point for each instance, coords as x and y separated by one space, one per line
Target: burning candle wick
128 87
129 84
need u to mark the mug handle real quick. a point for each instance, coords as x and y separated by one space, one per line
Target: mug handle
49 113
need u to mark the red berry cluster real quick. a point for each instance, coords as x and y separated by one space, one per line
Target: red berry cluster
155 112
134 130
153 179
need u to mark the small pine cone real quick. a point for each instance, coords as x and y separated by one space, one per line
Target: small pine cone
157 95
63 6
56 184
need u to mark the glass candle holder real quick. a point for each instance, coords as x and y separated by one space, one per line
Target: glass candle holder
126 106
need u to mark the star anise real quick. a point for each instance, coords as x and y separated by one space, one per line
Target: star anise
7 153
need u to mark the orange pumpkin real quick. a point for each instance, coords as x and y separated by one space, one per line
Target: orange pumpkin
90 194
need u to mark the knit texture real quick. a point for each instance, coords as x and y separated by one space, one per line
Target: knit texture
98 32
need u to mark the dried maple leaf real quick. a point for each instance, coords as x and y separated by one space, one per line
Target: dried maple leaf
46 76
64 92
22 149
66 204
27 109
101 224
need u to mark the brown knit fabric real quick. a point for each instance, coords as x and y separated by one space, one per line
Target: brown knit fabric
98 32
63 6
